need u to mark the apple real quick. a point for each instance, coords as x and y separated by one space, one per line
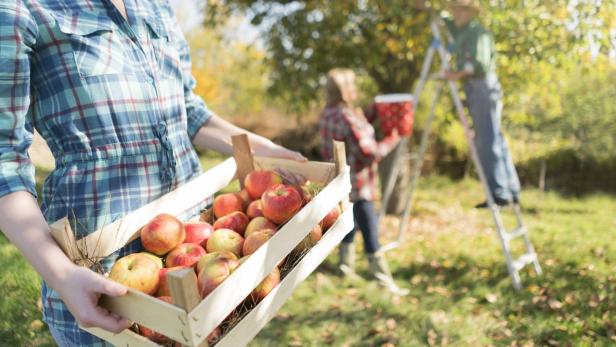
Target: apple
198 232
309 190
215 272
266 286
162 234
186 254
236 221
214 335
212 256
245 197
258 181
153 335
255 209
255 240
330 218
258 223
310 240
227 203
136 271
225 240
153 257
163 288
280 203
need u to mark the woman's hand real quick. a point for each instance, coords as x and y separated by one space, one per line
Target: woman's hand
266 148
80 291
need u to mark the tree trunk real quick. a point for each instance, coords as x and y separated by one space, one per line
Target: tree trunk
396 200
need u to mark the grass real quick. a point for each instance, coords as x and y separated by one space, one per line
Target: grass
460 291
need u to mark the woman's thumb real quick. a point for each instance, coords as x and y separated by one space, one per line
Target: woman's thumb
109 287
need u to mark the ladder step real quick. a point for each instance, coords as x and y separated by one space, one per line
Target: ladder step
524 260
517 232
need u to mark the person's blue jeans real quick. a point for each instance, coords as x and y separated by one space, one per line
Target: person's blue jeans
484 101
366 221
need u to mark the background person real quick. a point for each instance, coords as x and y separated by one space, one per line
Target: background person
341 121
475 56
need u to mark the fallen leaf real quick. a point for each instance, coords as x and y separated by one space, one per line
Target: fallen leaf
390 324
555 304
491 298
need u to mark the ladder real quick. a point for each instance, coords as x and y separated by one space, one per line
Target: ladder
514 265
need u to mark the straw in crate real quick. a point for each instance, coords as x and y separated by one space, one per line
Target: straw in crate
190 319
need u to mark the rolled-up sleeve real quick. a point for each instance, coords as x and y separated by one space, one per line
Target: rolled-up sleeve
197 111
17 36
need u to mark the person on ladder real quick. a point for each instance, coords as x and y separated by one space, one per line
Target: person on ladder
341 121
475 57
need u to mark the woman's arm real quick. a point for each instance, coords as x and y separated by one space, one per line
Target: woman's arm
216 135
23 224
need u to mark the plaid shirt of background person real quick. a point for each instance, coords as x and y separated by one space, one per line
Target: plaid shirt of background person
363 152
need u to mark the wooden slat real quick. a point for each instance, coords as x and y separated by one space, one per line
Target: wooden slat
312 170
126 338
117 234
243 156
185 294
340 162
150 312
218 304
249 327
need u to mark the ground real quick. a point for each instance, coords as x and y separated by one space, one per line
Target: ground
460 291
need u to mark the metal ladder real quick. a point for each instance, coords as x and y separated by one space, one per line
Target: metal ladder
505 236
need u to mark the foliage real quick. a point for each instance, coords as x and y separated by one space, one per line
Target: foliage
388 40
231 76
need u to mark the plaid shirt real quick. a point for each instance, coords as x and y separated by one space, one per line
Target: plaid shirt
363 151
114 101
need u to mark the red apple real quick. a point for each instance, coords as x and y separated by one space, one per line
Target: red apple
162 234
266 286
154 258
214 273
186 254
236 221
153 335
258 181
258 223
330 218
136 271
310 240
225 240
227 203
213 256
245 197
198 232
255 209
256 240
214 336
280 203
163 288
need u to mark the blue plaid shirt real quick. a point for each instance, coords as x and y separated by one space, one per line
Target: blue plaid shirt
114 101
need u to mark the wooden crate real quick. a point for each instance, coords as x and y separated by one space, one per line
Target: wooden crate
190 319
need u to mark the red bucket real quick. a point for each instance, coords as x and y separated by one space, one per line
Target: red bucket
395 111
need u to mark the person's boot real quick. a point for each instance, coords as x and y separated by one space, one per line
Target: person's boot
346 262
377 266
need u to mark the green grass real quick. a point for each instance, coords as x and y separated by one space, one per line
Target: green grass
460 291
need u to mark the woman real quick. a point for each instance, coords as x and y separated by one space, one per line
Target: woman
343 122
108 84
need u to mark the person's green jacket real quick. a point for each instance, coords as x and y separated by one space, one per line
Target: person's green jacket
474 48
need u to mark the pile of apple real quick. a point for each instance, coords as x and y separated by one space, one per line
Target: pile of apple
244 221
